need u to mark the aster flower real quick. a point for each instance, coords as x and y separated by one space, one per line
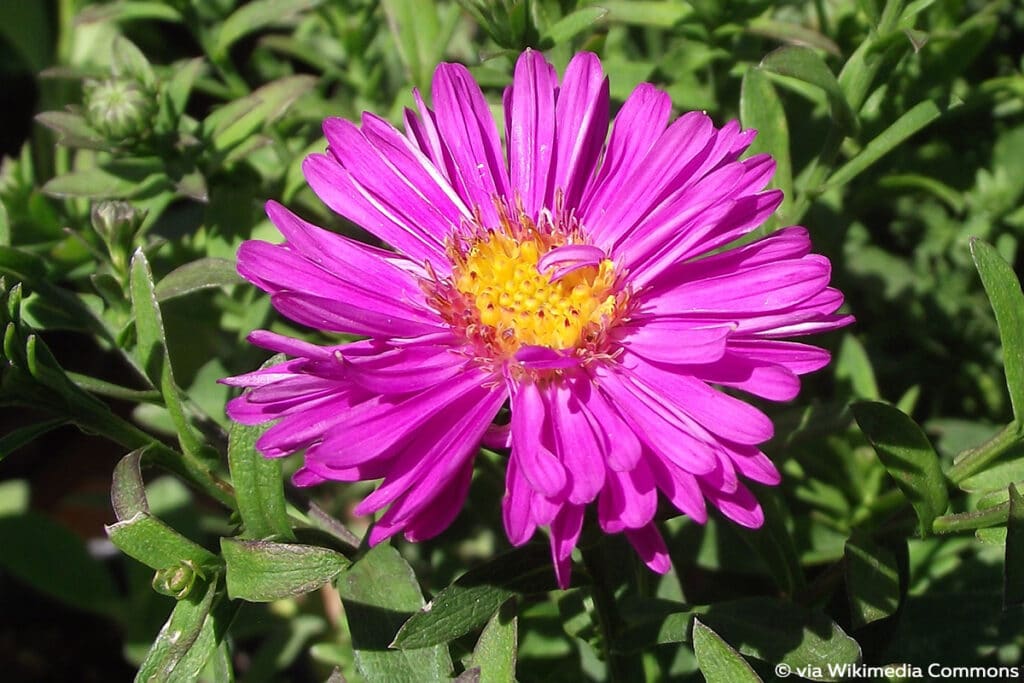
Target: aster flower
578 278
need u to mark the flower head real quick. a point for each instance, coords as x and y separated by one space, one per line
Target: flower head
583 279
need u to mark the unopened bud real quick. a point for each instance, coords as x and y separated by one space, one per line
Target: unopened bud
177 581
121 109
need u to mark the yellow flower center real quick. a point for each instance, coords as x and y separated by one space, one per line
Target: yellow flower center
522 306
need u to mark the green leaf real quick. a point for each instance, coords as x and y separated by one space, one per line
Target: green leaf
761 108
804 64
15 439
1004 293
905 126
717 660
854 366
115 180
792 33
156 545
647 13
781 632
380 593
872 581
495 651
152 350
179 86
571 25
416 28
262 571
168 659
258 485
254 16
128 491
1013 567
128 60
471 600
204 273
128 10
72 130
908 456
234 123
49 557
5 226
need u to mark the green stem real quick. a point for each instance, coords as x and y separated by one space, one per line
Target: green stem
103 388
97 418
620 668
969 521
976 459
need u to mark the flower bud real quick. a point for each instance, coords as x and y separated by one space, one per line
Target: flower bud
177 581
116 223
121 109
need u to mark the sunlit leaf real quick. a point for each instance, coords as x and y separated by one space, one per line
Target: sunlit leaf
905 126
263 571
717 660
379 593
908 456
804 64
1004 293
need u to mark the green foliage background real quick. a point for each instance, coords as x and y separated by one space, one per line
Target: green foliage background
895 537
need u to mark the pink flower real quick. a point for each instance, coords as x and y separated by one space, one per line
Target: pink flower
570 278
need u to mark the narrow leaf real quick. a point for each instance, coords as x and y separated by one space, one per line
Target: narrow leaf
152 350
416 29
156 545
495 651
177 637
761 108
717 660
262 571
908 456
380 593
572 24
804 64
72 130
255 16
128 10
205 273
792 33
128 492
647 12
1004 293
1013 567
471 600
234 123
911 122
116 180
5 226
258 484
854 366
872 581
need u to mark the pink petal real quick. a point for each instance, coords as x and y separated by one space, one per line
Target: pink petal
581 116
337 188
530 422
674 341
530 114
467 128
650 546
716 411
